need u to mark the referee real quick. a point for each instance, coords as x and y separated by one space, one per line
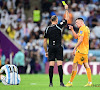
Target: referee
53 33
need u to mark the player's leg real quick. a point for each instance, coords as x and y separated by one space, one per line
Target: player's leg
74 69
59 56
74 72
3 79
60 70
88 70
51 66
51 56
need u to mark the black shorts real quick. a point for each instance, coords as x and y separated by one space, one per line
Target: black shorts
55 52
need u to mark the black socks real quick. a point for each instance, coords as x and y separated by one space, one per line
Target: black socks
51 73
60 70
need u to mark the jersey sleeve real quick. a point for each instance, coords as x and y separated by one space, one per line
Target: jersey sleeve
62 23
46 33
2 69
81 32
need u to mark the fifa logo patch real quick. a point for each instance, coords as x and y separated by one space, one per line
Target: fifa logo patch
82 58
81 32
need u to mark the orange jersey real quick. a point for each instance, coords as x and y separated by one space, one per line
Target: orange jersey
84 46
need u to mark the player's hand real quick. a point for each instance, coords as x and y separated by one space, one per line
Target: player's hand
46 54
66 6
74 52
70 27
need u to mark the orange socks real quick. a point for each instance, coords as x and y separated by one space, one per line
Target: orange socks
89 74
73 76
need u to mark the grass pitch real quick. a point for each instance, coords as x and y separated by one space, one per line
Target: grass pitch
41 82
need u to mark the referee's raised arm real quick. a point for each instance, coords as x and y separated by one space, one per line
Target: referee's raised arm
66 12
66 18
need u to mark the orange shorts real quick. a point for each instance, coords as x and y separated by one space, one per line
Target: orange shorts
80 58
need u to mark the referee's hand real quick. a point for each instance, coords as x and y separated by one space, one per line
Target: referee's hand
46 54
66 6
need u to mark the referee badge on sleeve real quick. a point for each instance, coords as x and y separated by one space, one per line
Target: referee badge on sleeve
81 32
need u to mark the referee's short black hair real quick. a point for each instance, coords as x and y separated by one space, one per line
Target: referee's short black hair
53 18
79 19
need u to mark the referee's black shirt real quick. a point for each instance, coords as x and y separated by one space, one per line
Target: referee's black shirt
53 32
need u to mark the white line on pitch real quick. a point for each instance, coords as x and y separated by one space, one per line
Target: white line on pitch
38 84
32 83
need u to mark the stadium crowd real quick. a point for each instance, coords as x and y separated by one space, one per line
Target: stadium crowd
29 35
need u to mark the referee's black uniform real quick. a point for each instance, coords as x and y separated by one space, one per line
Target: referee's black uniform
53 33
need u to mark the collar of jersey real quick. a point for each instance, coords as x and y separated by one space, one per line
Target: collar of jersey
53 24
82 26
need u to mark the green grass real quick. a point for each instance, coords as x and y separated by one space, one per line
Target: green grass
41 82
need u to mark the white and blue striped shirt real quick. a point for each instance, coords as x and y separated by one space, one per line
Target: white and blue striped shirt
11 74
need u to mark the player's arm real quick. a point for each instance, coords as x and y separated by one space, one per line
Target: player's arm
45 42
81 33
45 47
79 42
74 33
2 70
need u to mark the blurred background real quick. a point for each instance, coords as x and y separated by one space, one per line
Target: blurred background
22 26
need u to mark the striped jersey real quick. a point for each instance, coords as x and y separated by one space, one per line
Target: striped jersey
11 74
